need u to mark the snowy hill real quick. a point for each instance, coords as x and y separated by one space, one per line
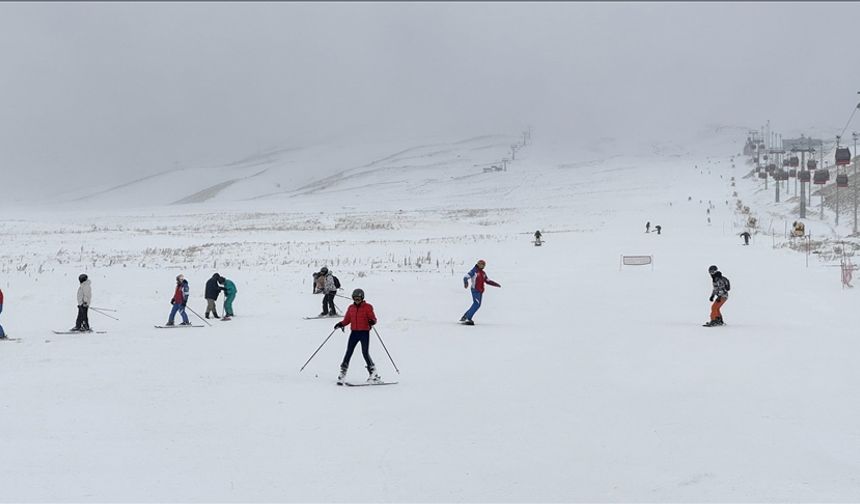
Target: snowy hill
581 380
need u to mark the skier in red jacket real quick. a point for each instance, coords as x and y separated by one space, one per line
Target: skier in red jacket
360 315
2 334
477 277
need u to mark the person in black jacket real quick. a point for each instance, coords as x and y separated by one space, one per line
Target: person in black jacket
212 291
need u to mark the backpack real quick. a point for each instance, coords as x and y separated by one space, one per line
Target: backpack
728 285
336 281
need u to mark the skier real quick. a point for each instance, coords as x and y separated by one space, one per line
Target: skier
2 333
179 301
537 236
659 228
330 286
212 292
85 296
719 296
648 227
360 315
477 278
230 295
746 236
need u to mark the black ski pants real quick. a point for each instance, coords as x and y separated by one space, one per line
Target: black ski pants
83 321
328 303
356 337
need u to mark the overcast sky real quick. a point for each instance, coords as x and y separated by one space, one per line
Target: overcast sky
111 91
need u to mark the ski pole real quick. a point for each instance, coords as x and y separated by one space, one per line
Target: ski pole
102 309
386 350
345 297
318 349
98 310
198 315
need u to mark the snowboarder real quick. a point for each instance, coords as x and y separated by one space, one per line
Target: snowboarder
648 227
719 296
85 296
212 292
477 278
659 228
179 301
2 333
230 295
330 286
360 315
746 236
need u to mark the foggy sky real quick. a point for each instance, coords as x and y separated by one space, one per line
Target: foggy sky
111 91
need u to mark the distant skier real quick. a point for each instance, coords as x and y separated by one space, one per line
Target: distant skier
212 292
537 237
229 295
360 315
330 286
179 301
85 296
2 332
719 295
659 228
648 227
746 236
476 277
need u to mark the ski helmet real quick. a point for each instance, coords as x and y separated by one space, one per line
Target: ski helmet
180 278
324 270
82 278
358 293
482 263
712 269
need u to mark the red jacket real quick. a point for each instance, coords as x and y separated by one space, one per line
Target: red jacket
359 316
1 297
478 278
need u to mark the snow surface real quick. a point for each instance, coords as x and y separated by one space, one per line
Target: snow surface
580 382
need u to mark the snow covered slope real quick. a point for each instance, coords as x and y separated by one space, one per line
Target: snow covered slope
581 381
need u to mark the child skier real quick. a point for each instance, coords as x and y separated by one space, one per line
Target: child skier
179 301
719 296
477 278
230 295
360 315
2 333
85 297
330 286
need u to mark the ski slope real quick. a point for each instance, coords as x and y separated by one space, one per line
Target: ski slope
580 381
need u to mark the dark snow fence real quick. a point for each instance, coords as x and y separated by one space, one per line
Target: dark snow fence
636 260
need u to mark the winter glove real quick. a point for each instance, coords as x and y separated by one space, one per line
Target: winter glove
172 301
711 298
465 285
371 323
338 326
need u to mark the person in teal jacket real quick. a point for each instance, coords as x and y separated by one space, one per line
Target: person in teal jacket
230 293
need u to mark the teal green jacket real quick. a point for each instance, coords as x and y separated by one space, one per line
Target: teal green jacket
229 288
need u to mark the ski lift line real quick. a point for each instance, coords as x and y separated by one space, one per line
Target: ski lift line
849 120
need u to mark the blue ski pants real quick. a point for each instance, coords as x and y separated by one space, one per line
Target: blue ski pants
476 303
177 307
356 337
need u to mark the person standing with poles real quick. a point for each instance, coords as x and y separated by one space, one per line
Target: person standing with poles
212 292
230 295
179 301
360 315
719 296
477 278
746 236
85 296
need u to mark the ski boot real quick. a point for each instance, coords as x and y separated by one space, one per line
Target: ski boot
169 323
468 322
323 314
373 378
719 321
185 323
710 323
341 377
463 318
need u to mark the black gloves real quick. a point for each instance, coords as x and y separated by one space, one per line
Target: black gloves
371 323
172 301
338 326
711 298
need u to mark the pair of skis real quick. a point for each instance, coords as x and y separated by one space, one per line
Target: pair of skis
348 384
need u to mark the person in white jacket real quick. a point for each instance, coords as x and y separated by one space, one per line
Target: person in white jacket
85 296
